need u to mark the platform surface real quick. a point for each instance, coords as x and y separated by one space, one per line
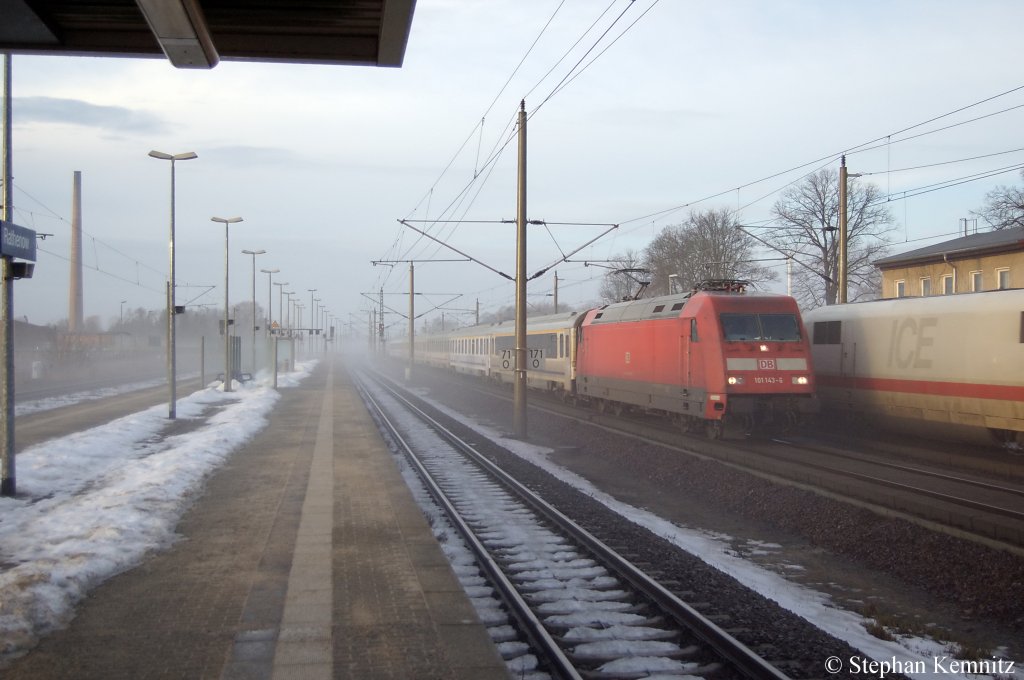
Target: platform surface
304 557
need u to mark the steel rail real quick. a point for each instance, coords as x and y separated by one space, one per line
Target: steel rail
989 486
745 660
880 481
527 621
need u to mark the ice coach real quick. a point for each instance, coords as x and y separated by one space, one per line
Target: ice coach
945 365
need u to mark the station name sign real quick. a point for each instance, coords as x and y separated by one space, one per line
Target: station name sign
17 241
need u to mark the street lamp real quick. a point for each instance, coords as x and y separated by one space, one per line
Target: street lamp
324 315
314 321
288 315
254 253
270 287
226 221
172 410
280 303
311 291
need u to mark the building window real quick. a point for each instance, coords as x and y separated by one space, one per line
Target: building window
947 285
1003 278
901 288
976 282
926 286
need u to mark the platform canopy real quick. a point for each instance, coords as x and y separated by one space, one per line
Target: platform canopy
199 33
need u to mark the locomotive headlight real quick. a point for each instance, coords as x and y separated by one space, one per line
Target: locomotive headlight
800 380
763 348
735 380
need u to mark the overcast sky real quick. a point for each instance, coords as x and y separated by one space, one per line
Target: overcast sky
695 99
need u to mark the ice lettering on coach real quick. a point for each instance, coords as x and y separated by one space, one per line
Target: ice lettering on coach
910 342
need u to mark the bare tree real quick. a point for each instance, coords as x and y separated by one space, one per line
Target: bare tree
621 283
1004 207
709 245
808 215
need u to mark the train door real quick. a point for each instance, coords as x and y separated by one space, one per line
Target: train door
684 359
690 369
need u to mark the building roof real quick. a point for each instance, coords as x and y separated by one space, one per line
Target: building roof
198 33
974 245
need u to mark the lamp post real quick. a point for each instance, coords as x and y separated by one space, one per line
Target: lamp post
288 314
254 253
324 312
122 314
311 308
172 409
270 288
226 221
280 303
314 322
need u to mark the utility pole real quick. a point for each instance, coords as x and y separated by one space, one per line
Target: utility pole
7 474
412 324
842 274
380 323
412 305
556 292
519 386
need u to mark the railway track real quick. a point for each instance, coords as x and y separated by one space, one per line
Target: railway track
1001 500
584 610
965 505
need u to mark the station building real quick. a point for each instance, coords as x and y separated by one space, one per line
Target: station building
986 261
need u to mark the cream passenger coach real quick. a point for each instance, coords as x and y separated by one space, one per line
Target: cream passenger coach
953 359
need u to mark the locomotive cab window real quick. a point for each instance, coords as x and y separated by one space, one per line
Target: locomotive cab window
779 327
738 327
751 327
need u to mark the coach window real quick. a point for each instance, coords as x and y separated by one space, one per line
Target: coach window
976 282
926 286
1003 278
901 288
947 284
827 332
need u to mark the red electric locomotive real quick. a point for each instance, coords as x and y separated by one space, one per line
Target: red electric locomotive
719 357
